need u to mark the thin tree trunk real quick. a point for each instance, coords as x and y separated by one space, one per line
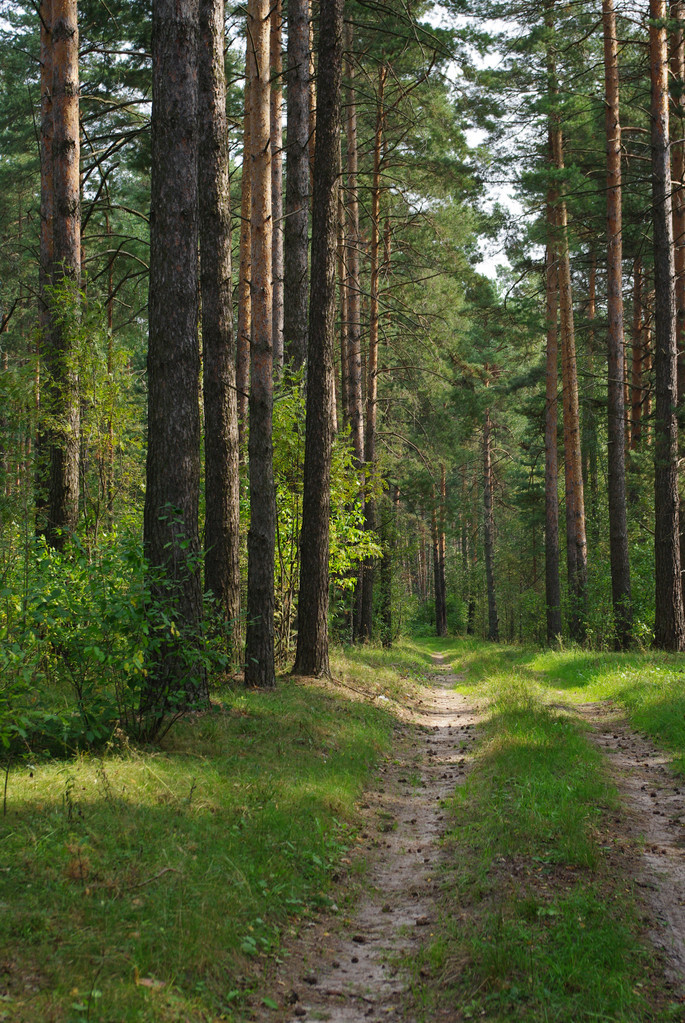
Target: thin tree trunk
437 577
297 186
366 622
312 640
552 585
489 530
259 647
222 495
45 268
618 524
276 46
242 363
637 391
576 545
678 182
60 355
173 456
442 550
342 287
354 327
669 625
588 440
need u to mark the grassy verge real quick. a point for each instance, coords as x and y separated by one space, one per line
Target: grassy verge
540 922
148 885
649 687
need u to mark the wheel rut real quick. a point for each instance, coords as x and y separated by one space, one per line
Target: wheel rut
349 970
654 816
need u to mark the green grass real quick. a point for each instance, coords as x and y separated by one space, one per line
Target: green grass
541 922
648 687
150 885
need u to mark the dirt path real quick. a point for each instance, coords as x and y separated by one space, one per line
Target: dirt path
654 811
345 970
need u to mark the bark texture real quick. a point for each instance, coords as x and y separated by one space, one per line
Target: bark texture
354 327
296 226
242 356
368 571
276 56
173 455
45 250
312 640
576 543
259 646
60 356
222 496
552 584
669 627
618 524
489 530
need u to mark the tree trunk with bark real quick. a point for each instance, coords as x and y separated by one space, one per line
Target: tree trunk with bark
60 360
669 626
618 523
576 544
366 619
45 251
222 495
173 457
552 585
276 46
261 542
242 357
296 226
354 326
489 530
312 640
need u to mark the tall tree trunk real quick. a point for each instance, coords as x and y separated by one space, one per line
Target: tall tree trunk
618 524
222 495
60 353
442 549
437 570
588 439
173 365
261 540
576 543
669 625
276 46
312 640
342 288
637 390
242 357
366 622
552 585
297 185
45 268
354 328
678 183
489 530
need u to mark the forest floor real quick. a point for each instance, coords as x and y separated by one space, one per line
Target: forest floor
420 941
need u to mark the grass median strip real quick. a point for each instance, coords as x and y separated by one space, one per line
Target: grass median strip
541 922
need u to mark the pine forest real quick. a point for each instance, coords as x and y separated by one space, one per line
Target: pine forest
342 400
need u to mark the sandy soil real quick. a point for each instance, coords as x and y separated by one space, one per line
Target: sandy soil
653 815
346 970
